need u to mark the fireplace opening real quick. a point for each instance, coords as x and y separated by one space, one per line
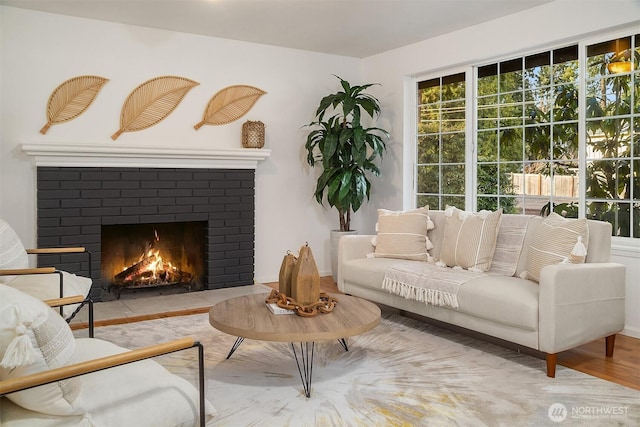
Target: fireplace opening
164 257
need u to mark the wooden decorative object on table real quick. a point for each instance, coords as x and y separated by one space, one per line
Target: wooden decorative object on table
286 268
230 104
152 102
252 134
71 99
324 304
305 278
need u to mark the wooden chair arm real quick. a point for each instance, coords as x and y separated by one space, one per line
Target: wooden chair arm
57 302
42 378
78 249
24 271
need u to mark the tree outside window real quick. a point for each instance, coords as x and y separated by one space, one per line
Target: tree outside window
440 152
520 129
613 134
527 116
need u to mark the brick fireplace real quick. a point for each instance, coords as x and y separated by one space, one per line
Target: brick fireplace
78 194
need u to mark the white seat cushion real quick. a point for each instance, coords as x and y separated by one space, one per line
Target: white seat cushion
368 272
138 394
508 300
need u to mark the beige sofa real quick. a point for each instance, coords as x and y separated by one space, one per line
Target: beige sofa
572 304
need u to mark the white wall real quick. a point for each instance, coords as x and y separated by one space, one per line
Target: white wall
547 26
39 51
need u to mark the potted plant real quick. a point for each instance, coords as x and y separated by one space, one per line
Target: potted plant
346 150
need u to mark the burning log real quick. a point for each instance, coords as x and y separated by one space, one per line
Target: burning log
150 270
136 270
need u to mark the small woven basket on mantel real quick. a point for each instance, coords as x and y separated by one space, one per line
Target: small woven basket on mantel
253 134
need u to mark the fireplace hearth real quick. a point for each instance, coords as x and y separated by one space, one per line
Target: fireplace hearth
76 204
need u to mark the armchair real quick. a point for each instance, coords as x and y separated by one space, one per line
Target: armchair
44 283
87 381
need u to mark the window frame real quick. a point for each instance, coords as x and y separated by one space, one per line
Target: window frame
471 126
468 130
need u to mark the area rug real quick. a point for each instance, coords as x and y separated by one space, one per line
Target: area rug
402 373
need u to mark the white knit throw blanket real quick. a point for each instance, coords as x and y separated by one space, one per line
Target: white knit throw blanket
426 282
432 284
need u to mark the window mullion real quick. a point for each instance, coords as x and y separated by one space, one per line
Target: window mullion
471 136
582 129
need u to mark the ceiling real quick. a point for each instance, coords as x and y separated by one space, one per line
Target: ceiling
356 28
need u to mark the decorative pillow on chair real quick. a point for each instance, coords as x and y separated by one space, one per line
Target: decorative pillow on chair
469 239
47 286
12 252
557 240
34 338
403 234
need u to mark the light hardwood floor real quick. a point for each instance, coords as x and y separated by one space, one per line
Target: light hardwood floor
623 368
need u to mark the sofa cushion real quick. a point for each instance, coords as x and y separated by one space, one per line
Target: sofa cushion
403 234
508 300
553 243
469 239
368 272
34 338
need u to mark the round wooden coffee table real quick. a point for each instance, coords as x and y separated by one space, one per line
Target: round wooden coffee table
249 317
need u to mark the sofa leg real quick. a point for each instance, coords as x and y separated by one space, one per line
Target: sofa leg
551 364
610 342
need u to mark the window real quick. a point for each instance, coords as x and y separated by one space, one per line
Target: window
440 154
527 132
613 134
544 142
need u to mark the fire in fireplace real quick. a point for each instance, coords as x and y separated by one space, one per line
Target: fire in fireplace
140 256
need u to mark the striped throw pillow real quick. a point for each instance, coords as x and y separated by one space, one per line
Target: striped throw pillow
553 243
403 234
469 239
12 252
34 339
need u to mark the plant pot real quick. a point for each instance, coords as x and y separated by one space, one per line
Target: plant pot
333 251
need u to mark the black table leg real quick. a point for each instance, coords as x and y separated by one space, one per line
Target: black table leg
305 364
235 346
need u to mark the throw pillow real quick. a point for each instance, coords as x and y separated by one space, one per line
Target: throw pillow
34 338
12 252
557 240
469 239
47 286
403 234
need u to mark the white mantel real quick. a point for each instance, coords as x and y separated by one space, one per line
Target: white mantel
118 155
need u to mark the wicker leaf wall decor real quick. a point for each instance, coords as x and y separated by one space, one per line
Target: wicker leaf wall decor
230 104
71 99
152 102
